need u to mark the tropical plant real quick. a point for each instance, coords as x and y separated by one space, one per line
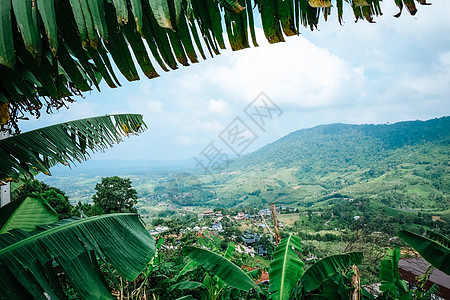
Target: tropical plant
26 213
433 247
142 291
30 263
66 143
221 274
391 284
52 50
393 287
286 268
287 280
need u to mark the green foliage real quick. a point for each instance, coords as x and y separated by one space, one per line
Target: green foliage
391 284
435 248
221 267
327 267
26 213
26 260
114 195
65 143
286 268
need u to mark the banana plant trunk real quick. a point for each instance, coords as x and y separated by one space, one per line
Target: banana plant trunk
276 227
5 188
356 284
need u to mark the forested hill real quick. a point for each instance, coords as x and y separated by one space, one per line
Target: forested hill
343 145
404 165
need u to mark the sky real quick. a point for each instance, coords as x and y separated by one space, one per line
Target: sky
395 70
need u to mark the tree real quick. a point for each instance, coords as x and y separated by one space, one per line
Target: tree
115 194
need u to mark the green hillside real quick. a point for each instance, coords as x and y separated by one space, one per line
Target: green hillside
403 165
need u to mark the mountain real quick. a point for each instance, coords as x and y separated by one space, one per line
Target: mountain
339 145
407 162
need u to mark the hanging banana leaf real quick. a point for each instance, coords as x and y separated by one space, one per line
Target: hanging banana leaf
26 214
286 268
434 248
328 266
64 143
38 36
221 267
26 258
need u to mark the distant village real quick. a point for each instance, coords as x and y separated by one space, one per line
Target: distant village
248 242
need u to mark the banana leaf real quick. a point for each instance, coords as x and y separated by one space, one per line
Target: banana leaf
190 266
64 143
26 214
328 266
434 249
335 288
221 267
230 250
286 268
26 259
390 277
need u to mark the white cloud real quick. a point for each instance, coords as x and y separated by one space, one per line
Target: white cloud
154 106
217 106
296 73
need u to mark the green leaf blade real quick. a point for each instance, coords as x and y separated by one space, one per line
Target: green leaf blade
432 251
127 246
221 267
286 268
328 266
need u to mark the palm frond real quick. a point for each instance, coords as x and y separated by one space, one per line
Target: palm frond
49 52
64 143
26 258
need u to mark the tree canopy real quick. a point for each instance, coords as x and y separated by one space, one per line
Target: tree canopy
114 195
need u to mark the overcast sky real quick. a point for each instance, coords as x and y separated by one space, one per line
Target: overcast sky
390 71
